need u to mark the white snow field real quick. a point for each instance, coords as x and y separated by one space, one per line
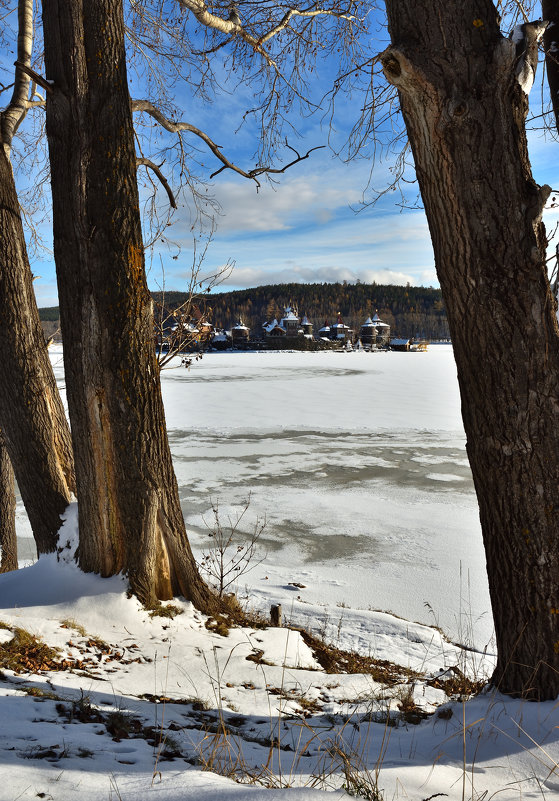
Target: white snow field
358 462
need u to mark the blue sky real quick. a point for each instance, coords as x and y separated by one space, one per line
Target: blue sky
305 228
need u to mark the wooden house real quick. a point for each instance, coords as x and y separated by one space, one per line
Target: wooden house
368 333
325 331
383 331
400 344
340 332
290 322
240 335
306 325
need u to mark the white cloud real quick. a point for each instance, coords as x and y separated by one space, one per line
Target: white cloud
254 276
314 198
46 291
429 277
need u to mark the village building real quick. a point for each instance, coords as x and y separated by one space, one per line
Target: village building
340 332
383 331
401 344
291 322
368 333
325 331
307 326
289 331
273 331
221 340
240 335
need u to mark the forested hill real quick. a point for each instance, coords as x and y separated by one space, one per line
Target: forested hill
409 310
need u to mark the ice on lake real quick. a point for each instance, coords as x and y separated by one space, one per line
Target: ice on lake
358 463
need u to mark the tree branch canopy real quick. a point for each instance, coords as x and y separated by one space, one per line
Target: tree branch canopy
177 127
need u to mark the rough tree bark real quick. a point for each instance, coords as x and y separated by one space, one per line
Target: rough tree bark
464 111
8 541
129 512
32 418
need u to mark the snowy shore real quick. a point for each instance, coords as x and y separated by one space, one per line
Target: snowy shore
358 463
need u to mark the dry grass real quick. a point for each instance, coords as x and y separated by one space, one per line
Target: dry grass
168 610
70 623
335 660
25 653
457 686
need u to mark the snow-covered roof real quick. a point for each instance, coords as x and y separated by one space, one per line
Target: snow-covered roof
381 325
221 337
368 323
324 328
240 326
305 320
399 341
269 326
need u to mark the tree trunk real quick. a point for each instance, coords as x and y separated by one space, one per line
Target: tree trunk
8 541
550 13
32 418
129 512
464 111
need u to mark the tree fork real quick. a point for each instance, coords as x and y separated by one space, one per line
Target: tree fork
464 110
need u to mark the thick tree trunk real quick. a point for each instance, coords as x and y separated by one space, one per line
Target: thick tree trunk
8 541
129 513
550 13
464 111
32 418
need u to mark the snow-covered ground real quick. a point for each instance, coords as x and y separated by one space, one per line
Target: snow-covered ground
357 462
133 707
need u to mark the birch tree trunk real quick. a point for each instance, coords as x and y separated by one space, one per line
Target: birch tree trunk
129 512
8 540
464 111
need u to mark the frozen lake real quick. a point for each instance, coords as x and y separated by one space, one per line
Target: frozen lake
357 461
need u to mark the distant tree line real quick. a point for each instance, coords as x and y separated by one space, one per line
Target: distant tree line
409 310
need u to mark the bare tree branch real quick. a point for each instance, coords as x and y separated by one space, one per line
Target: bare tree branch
186 327
311 12
233 28
178 127
152 166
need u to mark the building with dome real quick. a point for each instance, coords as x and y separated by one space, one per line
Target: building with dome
240 335
374 332
290 331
